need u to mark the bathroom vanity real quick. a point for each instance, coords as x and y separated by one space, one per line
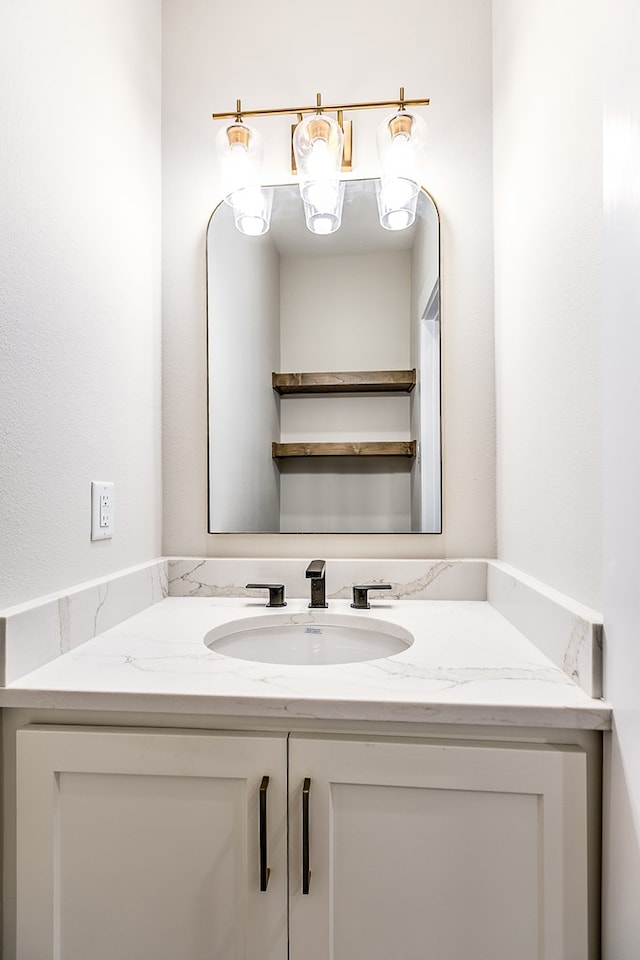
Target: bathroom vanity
173 842
163 799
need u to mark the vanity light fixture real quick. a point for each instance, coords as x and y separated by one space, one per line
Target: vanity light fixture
400 140
318 142
240 149
321 150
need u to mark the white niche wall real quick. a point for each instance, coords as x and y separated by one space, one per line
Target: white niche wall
339 313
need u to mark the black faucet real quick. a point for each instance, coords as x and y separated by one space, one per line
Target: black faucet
276 593
315 573
360 594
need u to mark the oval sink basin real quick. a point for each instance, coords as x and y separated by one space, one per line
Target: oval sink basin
313 638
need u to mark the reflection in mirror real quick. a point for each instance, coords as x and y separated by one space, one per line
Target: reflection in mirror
345 443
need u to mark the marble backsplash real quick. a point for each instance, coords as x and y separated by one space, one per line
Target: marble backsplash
567 632
36 632
409 579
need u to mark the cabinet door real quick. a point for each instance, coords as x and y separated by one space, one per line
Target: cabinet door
442 851
146 844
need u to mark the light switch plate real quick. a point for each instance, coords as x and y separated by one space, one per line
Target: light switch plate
101 510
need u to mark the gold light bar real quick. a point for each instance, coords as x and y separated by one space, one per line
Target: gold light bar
332 108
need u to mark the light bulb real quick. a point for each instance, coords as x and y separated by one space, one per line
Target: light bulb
401 157
320 164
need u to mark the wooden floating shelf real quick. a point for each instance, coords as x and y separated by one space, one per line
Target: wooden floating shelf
351 381
402 448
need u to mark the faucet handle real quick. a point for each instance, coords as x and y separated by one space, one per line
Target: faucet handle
276 593
360 594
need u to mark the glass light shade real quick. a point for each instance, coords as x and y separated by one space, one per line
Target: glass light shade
323 209
400 139
239 149
252 210
397 202
317 145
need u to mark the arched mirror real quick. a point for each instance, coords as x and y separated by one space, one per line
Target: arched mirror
324 372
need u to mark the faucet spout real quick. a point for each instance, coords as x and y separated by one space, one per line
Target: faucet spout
315 573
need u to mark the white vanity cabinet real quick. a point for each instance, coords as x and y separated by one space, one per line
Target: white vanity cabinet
441 850
146 843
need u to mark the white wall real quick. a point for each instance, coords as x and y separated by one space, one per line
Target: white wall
621 921
548 251
553 441
276 54
80 287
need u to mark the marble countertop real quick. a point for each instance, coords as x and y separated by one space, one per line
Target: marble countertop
468 665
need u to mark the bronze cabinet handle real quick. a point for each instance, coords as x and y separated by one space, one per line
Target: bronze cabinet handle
306 872
264 869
